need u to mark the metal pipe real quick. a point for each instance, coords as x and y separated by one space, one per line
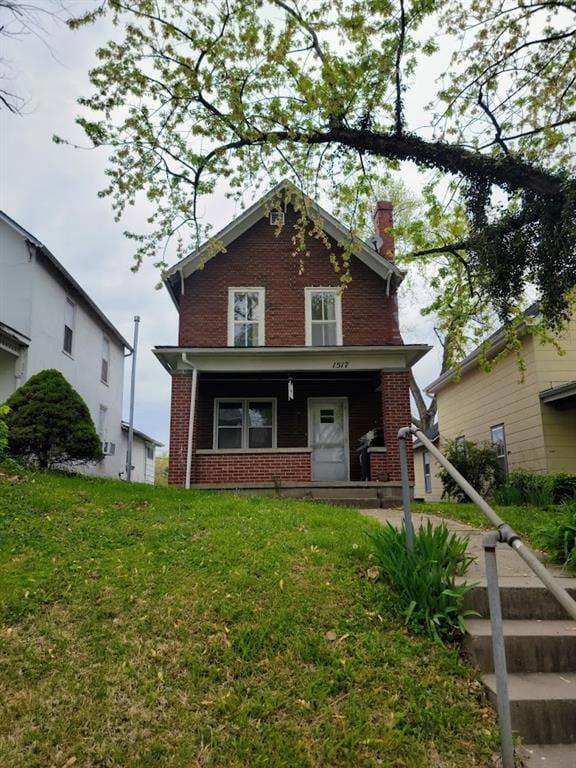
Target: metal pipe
462 482
408 526
132 390
545 577
498 650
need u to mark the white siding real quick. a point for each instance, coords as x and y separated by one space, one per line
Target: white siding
33 302
142 466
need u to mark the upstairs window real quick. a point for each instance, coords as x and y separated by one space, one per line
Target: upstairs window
244 424
105 364
246 317
323 317
69 321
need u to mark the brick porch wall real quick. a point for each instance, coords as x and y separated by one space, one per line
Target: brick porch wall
179 422
379 469
251 468
395 391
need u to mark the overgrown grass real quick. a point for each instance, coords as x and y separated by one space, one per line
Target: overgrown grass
153 627
529 522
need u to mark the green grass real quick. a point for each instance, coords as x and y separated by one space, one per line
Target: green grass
526 521
146 626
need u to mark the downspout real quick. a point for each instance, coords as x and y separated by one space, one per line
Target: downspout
190 419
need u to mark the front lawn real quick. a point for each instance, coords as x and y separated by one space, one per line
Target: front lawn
153 627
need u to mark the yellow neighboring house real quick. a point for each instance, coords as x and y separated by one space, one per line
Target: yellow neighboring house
532 423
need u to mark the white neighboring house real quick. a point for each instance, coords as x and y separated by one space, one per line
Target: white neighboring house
48 321
143 454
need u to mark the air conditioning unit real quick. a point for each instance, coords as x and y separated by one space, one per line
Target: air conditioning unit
277 218
108 449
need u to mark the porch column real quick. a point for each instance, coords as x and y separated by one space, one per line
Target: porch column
179 426
395 393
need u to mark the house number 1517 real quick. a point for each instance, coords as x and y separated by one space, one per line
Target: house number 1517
339 364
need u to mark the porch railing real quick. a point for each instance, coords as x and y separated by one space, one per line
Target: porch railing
503 534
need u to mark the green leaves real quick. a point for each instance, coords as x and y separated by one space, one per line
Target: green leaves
431 600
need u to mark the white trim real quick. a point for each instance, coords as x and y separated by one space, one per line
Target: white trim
337 311
245 426
191 419
257 451
345 416
261 359
262 312
105 342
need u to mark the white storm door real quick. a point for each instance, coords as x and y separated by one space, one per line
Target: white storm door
328 438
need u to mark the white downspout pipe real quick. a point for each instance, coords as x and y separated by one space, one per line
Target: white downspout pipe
190 419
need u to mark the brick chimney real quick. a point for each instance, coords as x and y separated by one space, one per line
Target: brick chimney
383 223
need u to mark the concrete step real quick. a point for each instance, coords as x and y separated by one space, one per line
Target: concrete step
549 755
531 645
542 706
522 598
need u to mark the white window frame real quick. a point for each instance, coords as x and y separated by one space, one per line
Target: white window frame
495 444
261 321
337 311
427 461
245 423
105 343
72 304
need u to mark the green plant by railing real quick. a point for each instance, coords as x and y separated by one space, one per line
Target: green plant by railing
559 536
430 599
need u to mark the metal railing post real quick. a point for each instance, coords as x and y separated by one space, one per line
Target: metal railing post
408 526
498 650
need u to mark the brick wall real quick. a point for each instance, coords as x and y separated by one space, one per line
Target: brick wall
379 469
257 468
179 423
363 405
395 392
260 259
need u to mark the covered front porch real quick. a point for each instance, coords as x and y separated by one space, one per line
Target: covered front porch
290 420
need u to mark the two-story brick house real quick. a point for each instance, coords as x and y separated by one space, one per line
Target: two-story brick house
278 372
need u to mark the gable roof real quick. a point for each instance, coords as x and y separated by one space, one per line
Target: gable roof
142 435
67 277
366 253
494 341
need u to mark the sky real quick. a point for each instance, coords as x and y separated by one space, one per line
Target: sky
52 191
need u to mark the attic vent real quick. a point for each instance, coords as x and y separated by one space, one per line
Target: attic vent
277 218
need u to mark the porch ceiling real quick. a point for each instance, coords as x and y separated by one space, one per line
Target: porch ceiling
255 359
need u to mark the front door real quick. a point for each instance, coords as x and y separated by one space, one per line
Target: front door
328 438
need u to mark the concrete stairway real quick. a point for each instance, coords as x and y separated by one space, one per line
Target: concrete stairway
541 658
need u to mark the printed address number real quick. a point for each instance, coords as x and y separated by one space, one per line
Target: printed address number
339 364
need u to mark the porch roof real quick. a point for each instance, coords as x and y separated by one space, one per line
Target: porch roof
253 359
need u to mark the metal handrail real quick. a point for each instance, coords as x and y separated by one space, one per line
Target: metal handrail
507 535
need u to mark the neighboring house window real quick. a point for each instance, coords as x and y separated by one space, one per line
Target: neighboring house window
498 439
69 318
427 473
246 317
149 451
244 423
102 419
105 366
323 317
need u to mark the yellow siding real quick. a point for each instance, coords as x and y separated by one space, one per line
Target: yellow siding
539 437
419 488
480 400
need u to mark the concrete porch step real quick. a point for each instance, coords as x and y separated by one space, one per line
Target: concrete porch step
542 706
549 755
522 598
531 645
